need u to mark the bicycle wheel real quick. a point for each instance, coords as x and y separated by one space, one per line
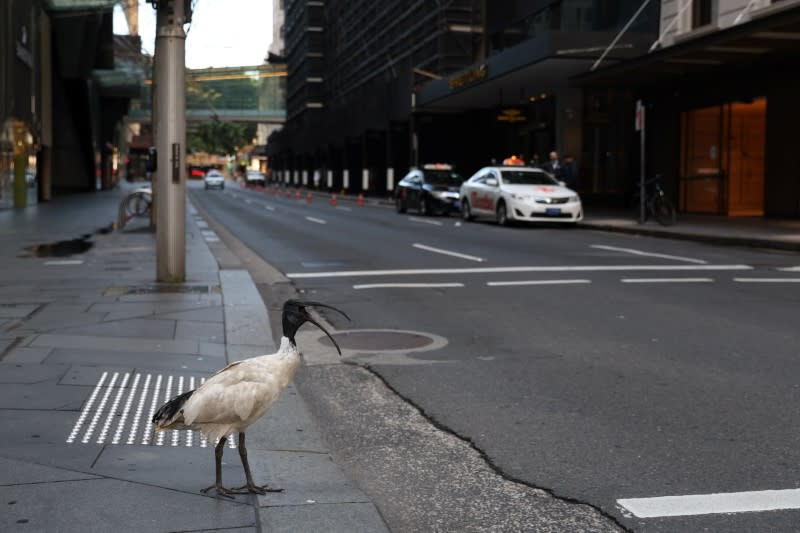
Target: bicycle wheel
664 211
138 205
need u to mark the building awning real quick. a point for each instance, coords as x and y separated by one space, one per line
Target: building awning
535 66
771 35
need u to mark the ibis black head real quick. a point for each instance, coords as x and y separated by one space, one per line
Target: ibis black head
295 315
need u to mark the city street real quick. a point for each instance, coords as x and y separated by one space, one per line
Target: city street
604 368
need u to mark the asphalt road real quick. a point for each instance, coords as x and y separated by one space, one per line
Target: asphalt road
601 367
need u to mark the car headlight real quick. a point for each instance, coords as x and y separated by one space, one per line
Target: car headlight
574 199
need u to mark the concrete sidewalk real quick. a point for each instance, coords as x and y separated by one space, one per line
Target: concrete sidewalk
90 345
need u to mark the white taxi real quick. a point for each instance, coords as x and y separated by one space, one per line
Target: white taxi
518 193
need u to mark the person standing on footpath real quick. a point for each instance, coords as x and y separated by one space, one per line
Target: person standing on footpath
554 166
570 171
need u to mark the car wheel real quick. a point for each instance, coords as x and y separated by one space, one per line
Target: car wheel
399 205
424 209
502 214
466 213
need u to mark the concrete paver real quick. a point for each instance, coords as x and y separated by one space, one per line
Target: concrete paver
68 324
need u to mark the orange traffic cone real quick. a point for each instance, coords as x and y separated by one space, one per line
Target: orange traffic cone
360 200
309 197
297 195
333 200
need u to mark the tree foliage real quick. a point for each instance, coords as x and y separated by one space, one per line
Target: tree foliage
221 138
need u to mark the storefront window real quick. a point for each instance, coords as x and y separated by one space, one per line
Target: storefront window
18 183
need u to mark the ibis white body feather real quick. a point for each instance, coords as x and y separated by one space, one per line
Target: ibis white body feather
238 395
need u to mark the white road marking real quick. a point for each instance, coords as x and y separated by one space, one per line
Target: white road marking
316 220
248 201
448 252
649 254
407 285
64 262
790 269
269 208
666 280
425 221
767 280
701 504
342 208
496 270
209 235
537 282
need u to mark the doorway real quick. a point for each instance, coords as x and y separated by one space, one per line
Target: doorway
722 159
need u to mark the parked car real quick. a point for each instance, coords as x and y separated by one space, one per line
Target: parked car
214 179
430 190
518 193
254 177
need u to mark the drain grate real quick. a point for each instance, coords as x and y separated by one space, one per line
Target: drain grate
161 289
117 413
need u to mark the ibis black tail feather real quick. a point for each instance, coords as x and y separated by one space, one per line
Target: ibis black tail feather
167 412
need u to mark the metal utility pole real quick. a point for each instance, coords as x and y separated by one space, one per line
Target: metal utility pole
169 101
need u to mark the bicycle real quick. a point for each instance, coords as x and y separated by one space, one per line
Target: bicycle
656 203
139 203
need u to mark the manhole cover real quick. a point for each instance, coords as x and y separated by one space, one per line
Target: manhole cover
378 340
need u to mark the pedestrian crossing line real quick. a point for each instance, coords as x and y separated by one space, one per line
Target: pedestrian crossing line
704 504
767 280
537 282
667 280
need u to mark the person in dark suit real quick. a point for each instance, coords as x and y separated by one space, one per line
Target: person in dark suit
554 166
570 171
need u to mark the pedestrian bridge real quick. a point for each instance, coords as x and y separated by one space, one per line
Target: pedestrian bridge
233 94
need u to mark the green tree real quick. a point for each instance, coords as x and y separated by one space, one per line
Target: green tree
220 138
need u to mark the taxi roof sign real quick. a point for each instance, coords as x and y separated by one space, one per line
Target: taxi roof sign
437 166
514 161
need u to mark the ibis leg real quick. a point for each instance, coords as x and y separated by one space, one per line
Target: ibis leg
221 491
251 486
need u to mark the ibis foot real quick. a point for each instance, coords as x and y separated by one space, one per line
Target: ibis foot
221 491
254 489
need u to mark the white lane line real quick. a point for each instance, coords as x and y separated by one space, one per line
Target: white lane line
424 221
648 254
448 252
406 285
316 220
790 269
342 208
666 280
64 262
537 282
701 504
496 270
269 208
767 280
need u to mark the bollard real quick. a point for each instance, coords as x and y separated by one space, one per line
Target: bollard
309 197
360 200
333 200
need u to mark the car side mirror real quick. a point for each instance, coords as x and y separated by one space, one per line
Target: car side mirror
491 182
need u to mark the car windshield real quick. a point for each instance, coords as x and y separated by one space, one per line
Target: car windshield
443 177
527 177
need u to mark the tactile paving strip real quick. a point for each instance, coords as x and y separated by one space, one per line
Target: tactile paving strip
117 413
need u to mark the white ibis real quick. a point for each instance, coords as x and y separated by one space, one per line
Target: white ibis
239 394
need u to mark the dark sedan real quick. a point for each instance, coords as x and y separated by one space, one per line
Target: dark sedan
433 189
